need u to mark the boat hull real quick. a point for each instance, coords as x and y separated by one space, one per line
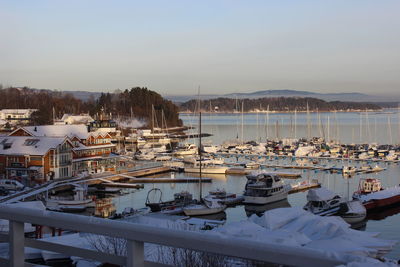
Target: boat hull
202 211
219 170
381 203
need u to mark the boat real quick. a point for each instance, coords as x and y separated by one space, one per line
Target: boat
305 185
206 168
324 202
228 199
349 170
208 206
172 206
187 149
373 196
79 201
264 187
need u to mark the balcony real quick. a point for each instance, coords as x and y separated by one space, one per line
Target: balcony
138 234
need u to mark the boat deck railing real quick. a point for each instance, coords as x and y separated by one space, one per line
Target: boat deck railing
138 234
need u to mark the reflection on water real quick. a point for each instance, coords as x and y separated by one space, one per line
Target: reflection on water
383 214
260 209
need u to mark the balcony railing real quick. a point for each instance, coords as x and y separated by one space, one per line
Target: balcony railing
138 234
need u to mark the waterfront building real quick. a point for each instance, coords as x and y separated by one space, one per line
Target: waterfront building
92 151
35 159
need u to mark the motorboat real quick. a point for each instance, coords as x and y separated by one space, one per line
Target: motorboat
264 187
78 202
372 195
349 170
208 206
206 168
324 202
228 199
174 206
187 149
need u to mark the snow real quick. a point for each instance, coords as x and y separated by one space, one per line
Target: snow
20 145
291 227
386 193
320 194
78 130
296 227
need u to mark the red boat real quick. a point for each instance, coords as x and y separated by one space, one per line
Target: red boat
373 196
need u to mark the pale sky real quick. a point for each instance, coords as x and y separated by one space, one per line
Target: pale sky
172 47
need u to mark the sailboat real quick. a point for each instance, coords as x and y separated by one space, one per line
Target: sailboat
207 205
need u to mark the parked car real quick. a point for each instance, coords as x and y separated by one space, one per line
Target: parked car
11 184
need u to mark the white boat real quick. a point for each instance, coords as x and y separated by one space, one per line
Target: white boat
324 202
209 206
206 168
187 149
264 187
145 156
78 202
349 170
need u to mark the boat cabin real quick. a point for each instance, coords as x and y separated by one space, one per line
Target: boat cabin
369 185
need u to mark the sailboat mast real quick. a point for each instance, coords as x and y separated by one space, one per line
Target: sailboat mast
242 121
295 123
308 123
200 158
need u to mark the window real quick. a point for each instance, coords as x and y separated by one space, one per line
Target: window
31 142
36 158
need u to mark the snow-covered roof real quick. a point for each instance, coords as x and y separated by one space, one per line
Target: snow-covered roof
79 130
18 111
320 194
28 145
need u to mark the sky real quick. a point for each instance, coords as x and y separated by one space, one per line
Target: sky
173 47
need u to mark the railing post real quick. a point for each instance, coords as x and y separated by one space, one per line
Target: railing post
134 253
17 244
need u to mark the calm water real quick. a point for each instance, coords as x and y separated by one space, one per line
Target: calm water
348 127
225 126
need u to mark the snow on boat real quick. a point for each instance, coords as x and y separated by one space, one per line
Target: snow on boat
324 202
264 187
372 195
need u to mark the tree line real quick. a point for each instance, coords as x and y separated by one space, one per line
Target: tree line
281 104
136 102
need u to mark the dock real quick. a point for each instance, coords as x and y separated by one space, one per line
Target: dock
167 179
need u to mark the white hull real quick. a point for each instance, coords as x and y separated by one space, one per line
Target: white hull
265 200
211 170
202 210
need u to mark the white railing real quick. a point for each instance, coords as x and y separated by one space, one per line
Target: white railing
138 234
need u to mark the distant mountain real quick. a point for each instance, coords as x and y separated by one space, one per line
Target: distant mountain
353 97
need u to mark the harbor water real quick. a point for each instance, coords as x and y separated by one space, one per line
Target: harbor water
228 126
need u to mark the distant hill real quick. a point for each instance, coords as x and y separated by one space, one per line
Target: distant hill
280 104
354 97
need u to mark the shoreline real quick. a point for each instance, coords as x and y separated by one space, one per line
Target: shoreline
290 112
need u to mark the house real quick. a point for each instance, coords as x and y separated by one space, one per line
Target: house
35 159
17 116
92 151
